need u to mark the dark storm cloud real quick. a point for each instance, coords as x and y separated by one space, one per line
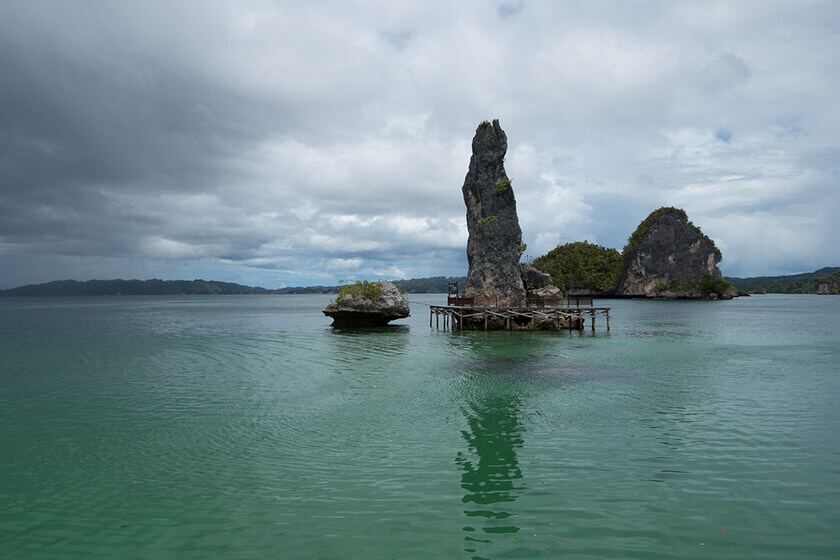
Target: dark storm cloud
280 143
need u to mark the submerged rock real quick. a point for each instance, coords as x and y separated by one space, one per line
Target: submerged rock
366 304
495 238
669 257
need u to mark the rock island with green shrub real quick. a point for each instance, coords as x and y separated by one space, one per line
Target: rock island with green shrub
367 304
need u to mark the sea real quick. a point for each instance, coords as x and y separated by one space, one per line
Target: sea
246 427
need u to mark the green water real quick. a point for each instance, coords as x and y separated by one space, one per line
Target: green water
244 427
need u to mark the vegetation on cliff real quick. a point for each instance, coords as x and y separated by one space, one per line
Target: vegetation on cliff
582 266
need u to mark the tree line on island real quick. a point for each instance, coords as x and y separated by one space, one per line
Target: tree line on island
587 274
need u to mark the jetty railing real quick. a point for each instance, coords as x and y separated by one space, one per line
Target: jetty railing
453 295
570 301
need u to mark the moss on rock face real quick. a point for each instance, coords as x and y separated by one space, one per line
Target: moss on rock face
502 186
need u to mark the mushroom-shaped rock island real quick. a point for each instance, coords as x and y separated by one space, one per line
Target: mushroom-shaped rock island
367 304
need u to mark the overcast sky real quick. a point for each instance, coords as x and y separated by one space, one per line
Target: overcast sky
282 144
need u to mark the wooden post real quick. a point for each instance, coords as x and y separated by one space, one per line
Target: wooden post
593 322
485 320
437 321
608 320
508 320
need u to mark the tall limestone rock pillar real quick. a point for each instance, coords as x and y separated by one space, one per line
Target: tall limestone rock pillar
495 241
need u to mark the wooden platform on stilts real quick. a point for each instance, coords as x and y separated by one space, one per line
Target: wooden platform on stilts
454 317
558 313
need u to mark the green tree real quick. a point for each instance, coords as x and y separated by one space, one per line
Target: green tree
582 265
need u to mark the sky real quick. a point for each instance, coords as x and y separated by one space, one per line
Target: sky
299 143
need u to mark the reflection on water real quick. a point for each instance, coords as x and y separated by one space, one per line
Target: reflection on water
490 470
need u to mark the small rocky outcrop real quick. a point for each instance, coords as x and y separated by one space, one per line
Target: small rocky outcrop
366 304
538 283
669 257
495 238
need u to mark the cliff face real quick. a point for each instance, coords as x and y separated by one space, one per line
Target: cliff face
670 257
495 238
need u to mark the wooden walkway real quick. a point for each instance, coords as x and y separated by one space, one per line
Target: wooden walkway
453 316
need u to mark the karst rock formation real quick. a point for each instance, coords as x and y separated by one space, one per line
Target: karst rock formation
495 238
668 257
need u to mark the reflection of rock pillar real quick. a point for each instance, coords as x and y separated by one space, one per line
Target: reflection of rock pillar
490 467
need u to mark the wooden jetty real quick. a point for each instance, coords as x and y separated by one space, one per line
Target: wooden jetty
533 313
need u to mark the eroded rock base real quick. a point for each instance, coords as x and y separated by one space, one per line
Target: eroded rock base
350 319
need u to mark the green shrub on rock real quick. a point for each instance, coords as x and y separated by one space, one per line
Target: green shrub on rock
502 186
363 289
709 285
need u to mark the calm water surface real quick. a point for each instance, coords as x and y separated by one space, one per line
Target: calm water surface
244 427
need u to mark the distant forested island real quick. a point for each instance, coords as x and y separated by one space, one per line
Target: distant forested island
156 287
431 285
824 280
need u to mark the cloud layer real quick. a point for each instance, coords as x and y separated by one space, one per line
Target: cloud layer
288 143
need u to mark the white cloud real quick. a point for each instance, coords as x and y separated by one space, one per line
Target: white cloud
343 264
281 142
